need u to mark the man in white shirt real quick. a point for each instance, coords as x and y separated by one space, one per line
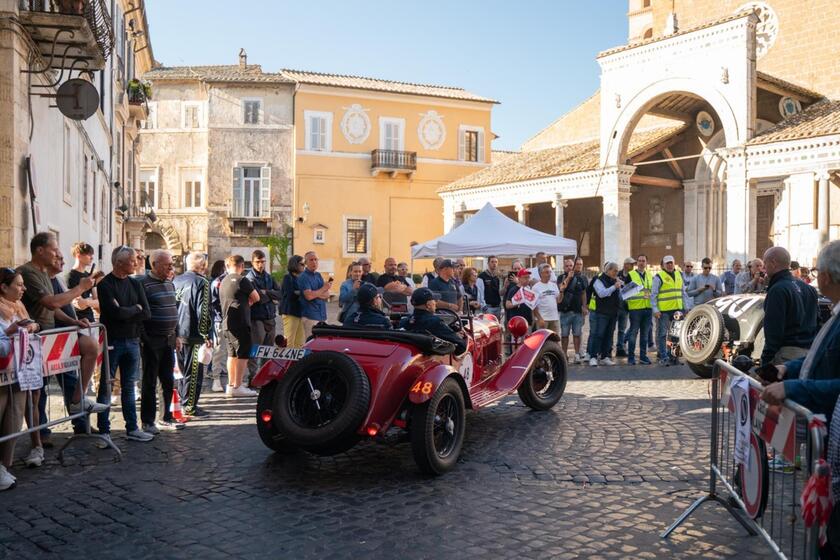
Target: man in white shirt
548 296
541 259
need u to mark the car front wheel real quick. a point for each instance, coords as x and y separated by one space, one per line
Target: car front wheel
437 429
545 382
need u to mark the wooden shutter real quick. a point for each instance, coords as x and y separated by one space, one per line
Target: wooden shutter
265 192
236 203
480 145
462 139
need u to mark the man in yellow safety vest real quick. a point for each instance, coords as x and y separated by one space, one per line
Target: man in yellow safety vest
640 312
667 296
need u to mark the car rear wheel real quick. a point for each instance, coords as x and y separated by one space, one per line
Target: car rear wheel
272 437
437 429
322 400
702 334
545 382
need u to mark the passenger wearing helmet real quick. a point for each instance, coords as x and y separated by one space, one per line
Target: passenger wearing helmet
424 320
370 312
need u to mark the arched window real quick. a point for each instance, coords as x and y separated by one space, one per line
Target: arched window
648 33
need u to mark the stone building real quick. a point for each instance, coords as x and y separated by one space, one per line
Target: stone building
215 160
714 133
61 174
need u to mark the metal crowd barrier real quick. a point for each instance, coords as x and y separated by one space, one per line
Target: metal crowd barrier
59 355
783 449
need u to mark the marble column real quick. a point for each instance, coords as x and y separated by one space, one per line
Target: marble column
559 206
448 215
616 231
522 213
738 218
823 205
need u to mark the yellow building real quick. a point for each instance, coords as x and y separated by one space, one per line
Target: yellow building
370 157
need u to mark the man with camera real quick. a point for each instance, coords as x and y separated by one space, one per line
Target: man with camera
753 280
705 286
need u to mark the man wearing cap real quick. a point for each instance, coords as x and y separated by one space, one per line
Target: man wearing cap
667 296
423 320
370 312
639 309
623 313
445 285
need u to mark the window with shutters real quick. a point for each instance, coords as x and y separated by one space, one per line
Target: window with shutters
191 115
471 144
391 135
356 235
318 131
251 111
192 181
251 192
149 192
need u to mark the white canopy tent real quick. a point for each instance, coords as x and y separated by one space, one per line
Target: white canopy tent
489 232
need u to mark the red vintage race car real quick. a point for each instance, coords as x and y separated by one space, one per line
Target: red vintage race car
349 384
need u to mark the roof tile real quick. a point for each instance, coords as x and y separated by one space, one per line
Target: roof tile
218 73
820 119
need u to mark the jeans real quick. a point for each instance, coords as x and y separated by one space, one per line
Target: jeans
601 330
263 332
621 326
67 382
125 355
158 363
639 326
662 327
571 322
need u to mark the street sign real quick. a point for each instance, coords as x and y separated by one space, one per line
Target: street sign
77 99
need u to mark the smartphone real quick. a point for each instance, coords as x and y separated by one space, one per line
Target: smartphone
331 280
768 373
92 269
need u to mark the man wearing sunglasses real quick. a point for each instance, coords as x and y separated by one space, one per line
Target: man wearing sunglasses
705 286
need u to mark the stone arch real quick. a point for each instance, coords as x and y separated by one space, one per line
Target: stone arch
154 240
615 140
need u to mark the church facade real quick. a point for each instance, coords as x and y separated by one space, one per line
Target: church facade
715 132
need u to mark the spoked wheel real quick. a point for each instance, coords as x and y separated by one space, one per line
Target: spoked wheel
437 429
267 429
702 334
322 400
545 382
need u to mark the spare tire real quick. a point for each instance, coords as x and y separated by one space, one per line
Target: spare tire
322 400
702 334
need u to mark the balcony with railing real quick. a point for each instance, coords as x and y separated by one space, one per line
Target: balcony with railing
70 34
138 95
393 162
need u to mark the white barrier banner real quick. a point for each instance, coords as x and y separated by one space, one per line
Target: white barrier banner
31 371
740 389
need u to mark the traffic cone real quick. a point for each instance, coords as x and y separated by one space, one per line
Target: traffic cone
175 407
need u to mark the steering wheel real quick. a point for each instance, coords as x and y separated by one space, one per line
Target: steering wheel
453 320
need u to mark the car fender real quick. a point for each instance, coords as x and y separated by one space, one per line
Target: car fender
519 363
425 385
271 370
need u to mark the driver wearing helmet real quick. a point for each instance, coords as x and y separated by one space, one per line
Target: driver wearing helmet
370 312
424 320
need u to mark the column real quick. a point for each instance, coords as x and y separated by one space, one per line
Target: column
738 218
448 215
522 214
692 218
616 232
823 205
559 206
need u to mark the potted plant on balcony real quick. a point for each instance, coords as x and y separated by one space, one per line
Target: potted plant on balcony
139 92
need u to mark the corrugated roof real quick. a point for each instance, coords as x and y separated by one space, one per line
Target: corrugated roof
218 73
376 84
562 160
820 119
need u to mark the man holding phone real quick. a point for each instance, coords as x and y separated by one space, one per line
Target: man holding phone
705 286
314 293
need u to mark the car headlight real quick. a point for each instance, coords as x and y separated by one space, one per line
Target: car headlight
678 316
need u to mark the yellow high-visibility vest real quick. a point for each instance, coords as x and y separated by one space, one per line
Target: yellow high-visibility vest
670 296
642 299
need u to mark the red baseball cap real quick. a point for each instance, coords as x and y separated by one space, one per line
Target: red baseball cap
523 272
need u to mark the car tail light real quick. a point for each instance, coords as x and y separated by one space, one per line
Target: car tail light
372 430
265 416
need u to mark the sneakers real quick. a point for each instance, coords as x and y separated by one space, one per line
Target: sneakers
35 457
169 426
620 352
101 444
607 362
585 357
217 386
7 481
593 361
644 360
631 360
577 359
242 391
87 405
228 390
139 435
151 429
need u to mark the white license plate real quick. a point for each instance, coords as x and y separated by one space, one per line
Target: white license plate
676 327
277 353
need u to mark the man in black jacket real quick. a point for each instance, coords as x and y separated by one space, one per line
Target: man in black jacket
790 311
192 291
492 286
123 308
264 312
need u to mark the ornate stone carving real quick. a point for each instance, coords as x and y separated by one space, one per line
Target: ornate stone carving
724 75
431 130
705 123
788 106
355 124
767 27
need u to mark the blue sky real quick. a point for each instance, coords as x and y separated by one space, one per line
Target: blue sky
535 56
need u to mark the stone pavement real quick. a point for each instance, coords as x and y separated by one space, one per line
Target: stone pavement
599 476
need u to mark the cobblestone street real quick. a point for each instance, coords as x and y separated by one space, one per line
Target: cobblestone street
600 476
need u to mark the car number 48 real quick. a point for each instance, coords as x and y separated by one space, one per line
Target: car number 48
420 387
